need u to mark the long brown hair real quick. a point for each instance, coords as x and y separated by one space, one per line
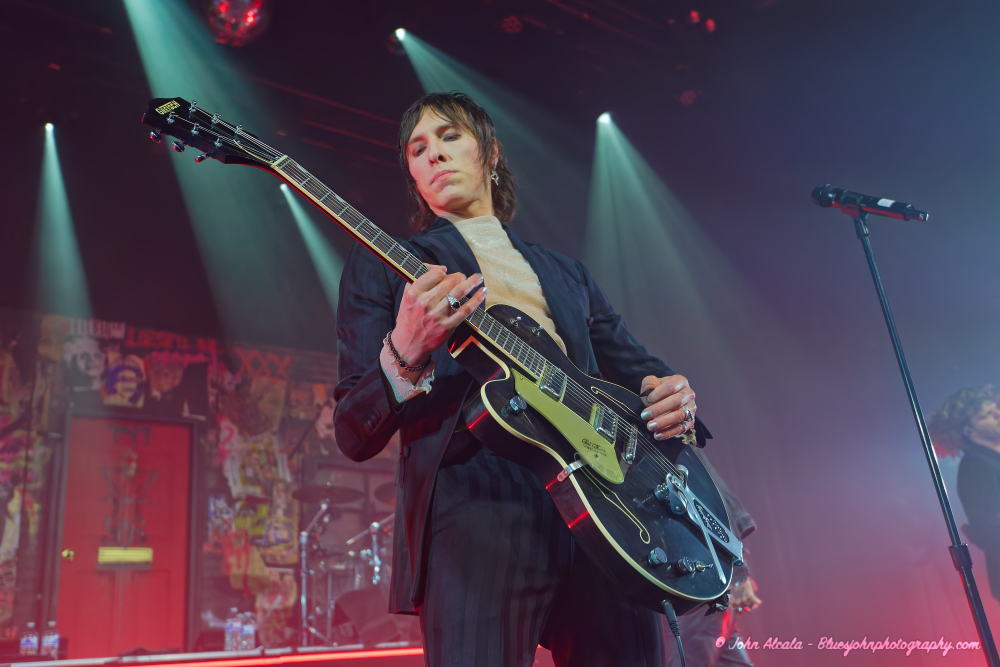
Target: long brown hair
458 109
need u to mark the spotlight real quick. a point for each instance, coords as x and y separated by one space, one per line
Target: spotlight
604 118
283 186
49 126
400 34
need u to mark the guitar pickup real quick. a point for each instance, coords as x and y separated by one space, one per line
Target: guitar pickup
628 454
553 382
604 422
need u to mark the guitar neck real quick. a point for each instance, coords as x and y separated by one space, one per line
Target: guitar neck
405 263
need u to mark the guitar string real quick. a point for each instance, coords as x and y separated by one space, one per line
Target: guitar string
647 447
577 391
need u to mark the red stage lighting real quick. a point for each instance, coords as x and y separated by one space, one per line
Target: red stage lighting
710 25
511 24
689 96
694 17
237 22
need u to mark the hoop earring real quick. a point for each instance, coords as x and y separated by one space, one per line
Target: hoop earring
494 176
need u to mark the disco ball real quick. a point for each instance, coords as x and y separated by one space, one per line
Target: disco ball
237 22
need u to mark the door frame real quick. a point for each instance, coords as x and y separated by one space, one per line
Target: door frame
55 513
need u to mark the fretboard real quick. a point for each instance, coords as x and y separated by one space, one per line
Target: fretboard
408 265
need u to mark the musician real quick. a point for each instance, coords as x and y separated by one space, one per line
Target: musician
969 422
481 553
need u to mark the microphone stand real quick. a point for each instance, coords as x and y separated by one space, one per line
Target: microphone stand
960 555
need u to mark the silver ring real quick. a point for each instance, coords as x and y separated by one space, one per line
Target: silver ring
455 303
688 416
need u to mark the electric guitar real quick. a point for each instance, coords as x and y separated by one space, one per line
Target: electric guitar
647 513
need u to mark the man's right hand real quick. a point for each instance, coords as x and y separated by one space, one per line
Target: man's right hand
426 318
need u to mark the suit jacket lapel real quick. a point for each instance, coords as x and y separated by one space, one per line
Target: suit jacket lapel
443 240
569 323
447 247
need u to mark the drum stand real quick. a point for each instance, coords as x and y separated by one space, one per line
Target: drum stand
305 628
375 558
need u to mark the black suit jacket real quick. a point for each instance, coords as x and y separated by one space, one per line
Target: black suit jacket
596 341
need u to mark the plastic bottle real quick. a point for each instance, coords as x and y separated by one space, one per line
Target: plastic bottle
249 631
50 641
29 639
234 629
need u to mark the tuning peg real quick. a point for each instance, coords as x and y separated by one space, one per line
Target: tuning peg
191 109
205 156
154 136
178 146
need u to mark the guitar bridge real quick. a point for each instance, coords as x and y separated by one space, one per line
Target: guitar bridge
553 382
628 454
604 422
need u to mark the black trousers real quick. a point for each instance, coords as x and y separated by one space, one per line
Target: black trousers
504 574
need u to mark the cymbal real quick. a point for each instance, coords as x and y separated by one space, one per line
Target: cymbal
386 493
317 493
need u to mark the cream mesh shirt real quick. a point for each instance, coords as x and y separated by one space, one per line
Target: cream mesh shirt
510 280
506 272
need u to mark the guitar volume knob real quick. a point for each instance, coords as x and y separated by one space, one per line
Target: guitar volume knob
685 565
656 557
517 405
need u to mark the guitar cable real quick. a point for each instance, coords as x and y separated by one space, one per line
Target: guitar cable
675 627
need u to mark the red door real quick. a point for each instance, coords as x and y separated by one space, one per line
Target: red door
126 493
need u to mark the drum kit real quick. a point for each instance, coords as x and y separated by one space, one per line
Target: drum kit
339 583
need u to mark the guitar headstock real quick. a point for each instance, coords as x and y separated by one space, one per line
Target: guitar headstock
207 132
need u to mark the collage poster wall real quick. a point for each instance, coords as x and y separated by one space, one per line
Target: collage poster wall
253 405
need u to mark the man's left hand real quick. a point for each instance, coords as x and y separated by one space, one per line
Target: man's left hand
744 597
670 406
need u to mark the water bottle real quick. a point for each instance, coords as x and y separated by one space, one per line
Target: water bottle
249 631
29 639
50 641
234 630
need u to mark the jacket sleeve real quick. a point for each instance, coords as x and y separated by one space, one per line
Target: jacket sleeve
620 357
364 418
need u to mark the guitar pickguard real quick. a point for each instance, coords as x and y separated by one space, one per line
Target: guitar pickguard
598 453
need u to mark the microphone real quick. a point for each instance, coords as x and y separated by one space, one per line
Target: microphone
854 204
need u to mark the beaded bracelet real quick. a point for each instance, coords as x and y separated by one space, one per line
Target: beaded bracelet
399 359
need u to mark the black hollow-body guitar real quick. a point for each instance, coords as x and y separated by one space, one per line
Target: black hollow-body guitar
647 513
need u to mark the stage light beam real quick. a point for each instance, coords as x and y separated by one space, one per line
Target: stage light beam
62 283
327 263
604 118
400 34
644 248
683 298
243 252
